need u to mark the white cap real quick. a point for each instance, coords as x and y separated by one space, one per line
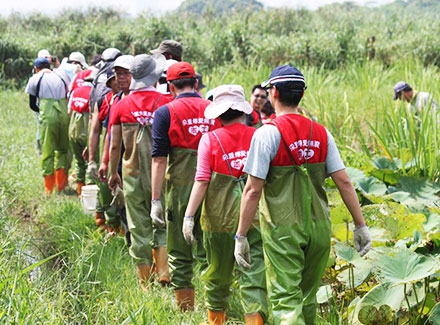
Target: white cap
43 53
79 58
124 61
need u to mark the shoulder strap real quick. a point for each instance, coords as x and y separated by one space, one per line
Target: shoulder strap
38 86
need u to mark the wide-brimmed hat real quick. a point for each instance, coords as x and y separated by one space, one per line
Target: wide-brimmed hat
146 70
78 57
171 47
399 87
284 73
227 97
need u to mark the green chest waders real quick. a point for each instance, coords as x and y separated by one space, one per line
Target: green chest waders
54 124
296 234
136 179
220 214
179 181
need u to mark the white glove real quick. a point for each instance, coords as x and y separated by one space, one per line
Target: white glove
362 240
187 229
118 197
157 214
92 170
241 252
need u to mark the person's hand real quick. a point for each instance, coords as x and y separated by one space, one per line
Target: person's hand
118 197
114 180
187 229
157 214
241 252
102 173
92 170
362 240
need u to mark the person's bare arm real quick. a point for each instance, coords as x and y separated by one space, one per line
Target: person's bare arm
95 131
349 196
115 155
249 203
158 168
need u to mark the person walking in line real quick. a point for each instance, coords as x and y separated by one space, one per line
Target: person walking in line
177 129
79 110
48 95
287 164
108 216
131 120
219 183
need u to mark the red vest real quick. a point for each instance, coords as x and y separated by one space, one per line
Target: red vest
103 110
232 150
79 79
80 99
138 107
188 123
304 138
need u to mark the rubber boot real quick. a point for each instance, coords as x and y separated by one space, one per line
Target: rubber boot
154 266
185 299
144 273
216 317
60 179
79 186
100 220
49 184
162 270
253 319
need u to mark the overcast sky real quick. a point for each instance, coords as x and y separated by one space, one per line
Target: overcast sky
135 6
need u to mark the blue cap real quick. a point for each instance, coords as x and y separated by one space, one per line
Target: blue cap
284 73
399 87
41 63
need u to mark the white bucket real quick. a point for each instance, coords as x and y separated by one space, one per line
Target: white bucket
89 196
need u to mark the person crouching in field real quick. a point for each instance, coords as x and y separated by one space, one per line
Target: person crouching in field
48 95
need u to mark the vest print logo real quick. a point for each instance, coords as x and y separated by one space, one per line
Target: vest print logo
305 148
195 129
143 117
79 102
305 154
238 163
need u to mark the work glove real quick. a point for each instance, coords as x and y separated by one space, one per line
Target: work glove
92 170
362 240
241 252
118 197
157 214
187 229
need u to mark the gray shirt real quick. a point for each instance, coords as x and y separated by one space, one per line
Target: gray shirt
264 147
52 85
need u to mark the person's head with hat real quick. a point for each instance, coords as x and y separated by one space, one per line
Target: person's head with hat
286 86
403 91
79 59
229 104
171 49
40 64
121 68
181 78
146 70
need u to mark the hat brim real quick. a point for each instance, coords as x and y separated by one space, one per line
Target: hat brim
153 77
215 109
